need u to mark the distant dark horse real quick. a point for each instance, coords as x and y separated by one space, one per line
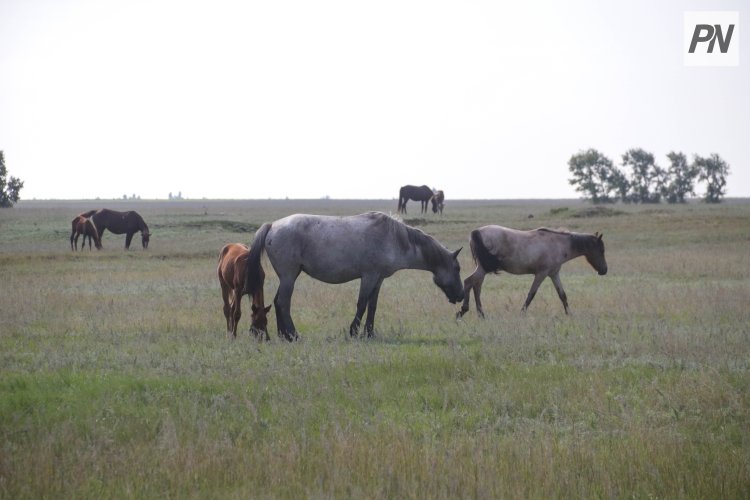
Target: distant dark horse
82 225
422 194
127 223
438 201
369 246
231 270
540 252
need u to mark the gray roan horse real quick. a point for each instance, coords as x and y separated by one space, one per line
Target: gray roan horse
540 252
370 246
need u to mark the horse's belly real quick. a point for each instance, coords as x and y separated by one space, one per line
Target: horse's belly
334 275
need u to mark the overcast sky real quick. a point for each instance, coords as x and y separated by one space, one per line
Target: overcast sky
226 99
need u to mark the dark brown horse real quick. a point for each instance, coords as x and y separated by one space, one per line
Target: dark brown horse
127 223
438 201
232 272
540 252
82 225
422 194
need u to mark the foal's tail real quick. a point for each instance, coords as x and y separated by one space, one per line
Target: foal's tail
482 255
254 276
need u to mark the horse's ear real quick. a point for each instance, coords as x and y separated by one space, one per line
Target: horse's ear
268 308
455 254
600 236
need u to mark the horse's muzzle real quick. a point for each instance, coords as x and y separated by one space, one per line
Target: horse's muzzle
603 272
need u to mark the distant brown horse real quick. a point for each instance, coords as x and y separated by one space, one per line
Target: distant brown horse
232 272
127 223
540 252
82 225
438 201
423 194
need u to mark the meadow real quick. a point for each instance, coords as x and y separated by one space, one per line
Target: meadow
117 378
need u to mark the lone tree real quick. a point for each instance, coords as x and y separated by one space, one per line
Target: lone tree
646 178
594 175
680 180
713 171
9 189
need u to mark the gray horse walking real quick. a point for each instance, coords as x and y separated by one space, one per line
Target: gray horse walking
540 252
370 246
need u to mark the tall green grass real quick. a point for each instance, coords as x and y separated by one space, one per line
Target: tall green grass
117 378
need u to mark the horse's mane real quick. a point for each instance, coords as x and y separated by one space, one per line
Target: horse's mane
579 241
409 237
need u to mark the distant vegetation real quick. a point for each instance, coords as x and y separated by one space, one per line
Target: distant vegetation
641 180
9 188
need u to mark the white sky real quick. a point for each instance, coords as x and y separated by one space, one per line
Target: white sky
351 99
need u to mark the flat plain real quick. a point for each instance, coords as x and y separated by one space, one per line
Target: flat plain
117 378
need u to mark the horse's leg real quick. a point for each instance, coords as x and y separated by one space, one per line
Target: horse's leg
128 239
477 292
372 305
366 286
538 278
560 291
473 282
236 310
227 307
72 235
283 303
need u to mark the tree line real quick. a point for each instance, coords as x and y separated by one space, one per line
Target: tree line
9 187
640 180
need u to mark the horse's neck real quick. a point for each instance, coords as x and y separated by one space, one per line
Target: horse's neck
417 258
575 249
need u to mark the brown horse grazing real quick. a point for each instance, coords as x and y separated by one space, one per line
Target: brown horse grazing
438 202
232 272
422 194
82 225
127 223
540 252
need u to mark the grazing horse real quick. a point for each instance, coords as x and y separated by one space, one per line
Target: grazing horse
81 225
438 202
128 223
540 252
370 246
422 194
231 271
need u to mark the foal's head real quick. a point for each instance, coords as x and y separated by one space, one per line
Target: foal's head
259 321
595 254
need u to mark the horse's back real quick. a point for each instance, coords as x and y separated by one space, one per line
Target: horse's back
233 263
329 248
523 251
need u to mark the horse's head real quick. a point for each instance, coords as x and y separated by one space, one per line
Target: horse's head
259 321
595 254
145 235
447 276
434 205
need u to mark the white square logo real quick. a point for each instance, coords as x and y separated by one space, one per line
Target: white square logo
711 38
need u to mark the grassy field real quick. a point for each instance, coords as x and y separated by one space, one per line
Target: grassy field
117 378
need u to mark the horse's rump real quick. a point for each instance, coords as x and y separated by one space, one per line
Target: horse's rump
489 262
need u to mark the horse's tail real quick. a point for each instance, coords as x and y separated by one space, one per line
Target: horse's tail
482 256
254 275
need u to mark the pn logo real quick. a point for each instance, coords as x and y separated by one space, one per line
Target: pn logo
711 38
